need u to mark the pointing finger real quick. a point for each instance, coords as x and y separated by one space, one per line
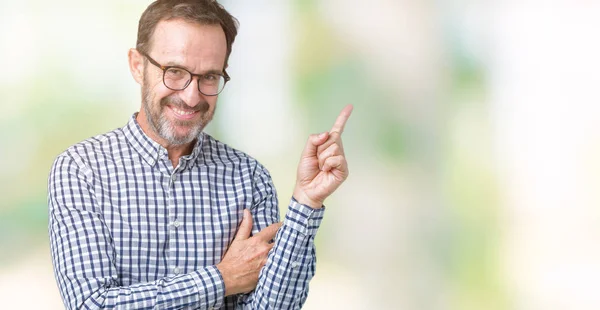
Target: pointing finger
269 233
341 120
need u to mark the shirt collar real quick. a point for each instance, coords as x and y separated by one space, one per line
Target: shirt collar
150 151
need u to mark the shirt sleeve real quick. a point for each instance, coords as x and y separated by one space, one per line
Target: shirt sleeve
283 281
83 254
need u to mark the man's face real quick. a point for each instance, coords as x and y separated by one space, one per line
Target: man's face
178 117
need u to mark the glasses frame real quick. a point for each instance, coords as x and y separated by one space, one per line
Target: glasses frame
165 68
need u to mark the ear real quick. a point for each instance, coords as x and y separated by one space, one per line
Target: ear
136 65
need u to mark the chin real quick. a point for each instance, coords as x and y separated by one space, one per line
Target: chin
180 137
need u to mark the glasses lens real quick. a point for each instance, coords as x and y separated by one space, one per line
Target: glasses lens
176 78
211 84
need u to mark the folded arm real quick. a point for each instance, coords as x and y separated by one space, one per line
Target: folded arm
84 257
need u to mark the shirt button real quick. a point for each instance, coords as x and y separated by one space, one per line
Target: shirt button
176 224
295 265
173 178
310 222
176 270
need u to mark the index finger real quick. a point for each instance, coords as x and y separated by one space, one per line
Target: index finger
341 120
269 232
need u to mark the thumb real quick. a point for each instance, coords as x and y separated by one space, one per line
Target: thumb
310 150
245 227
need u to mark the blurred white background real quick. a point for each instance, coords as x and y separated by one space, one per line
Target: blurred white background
474 146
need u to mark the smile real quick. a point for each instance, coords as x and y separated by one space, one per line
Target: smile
182 114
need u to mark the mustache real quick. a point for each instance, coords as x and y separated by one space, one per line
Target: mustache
176 102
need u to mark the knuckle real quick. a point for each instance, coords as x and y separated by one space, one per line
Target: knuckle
262 253
335 148
274 232
321 148
266 248
254 241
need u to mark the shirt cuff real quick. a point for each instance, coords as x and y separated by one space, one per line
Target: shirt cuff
303 218
210 284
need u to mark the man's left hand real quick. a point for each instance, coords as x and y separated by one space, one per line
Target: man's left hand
323 165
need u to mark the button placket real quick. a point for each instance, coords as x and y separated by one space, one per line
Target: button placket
174 222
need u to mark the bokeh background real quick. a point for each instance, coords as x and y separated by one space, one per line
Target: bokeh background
474 146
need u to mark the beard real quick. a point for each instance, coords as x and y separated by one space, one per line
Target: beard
166 128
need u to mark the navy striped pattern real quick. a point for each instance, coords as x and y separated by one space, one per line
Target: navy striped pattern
129 231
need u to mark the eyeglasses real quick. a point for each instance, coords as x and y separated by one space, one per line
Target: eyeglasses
177 78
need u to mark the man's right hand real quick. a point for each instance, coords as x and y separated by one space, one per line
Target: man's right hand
246 256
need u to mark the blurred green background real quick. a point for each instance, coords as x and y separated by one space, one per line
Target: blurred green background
473 146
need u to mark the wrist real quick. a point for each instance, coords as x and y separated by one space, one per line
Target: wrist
228 283
302 198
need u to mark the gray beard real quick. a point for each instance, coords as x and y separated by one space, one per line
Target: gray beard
164 129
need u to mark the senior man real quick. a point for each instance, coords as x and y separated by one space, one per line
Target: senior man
160 215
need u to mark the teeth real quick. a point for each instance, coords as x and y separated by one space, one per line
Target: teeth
182 112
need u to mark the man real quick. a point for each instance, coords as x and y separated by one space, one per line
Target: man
160 215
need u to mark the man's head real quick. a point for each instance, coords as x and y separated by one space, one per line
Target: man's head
195 35
202 12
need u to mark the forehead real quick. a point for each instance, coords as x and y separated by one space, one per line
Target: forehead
189 44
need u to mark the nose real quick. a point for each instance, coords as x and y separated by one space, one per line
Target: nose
191 95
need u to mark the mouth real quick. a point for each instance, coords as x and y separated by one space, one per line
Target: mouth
182 114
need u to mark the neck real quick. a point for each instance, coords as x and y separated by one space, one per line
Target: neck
177 151
174 151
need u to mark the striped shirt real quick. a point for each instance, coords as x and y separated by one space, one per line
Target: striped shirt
129 231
